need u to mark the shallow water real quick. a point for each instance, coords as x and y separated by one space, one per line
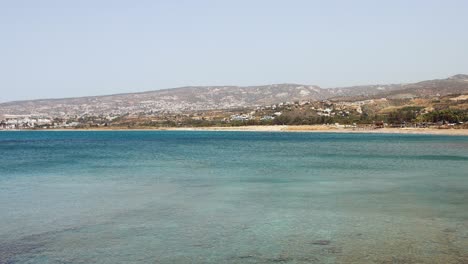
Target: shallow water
232 197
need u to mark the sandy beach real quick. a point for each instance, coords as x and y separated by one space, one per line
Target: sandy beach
288 128
330 129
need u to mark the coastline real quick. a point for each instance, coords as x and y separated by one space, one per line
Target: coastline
286 128
326 129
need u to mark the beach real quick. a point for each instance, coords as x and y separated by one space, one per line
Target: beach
330 129
285 128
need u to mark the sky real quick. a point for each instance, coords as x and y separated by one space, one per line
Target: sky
54 49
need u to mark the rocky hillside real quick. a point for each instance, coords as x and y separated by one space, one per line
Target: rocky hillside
226 97
457 84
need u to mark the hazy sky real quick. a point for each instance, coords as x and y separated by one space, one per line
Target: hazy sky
74 48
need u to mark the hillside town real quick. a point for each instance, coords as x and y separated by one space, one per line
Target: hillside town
435 103
448 112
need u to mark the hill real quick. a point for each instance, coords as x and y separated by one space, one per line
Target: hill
200 98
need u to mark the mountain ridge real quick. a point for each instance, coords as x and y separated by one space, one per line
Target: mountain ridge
199 98
453 77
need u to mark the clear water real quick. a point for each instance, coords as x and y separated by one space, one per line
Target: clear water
232 197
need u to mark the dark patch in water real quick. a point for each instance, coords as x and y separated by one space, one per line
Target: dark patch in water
27 245
8 251
306 259
280 258
321 242
202 245
441 157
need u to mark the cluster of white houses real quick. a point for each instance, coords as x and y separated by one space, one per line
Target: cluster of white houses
251 115
23 121
14 122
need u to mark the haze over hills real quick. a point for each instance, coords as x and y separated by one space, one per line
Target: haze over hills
200 98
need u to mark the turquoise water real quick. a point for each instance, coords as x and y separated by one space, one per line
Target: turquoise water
232 197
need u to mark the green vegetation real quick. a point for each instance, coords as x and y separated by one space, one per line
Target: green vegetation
406 114
451 116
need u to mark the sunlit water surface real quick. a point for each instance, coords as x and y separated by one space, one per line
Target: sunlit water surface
232 197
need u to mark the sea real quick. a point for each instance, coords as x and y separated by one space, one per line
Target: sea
232 197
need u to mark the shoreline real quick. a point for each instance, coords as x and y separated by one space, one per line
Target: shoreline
285 128
325 129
